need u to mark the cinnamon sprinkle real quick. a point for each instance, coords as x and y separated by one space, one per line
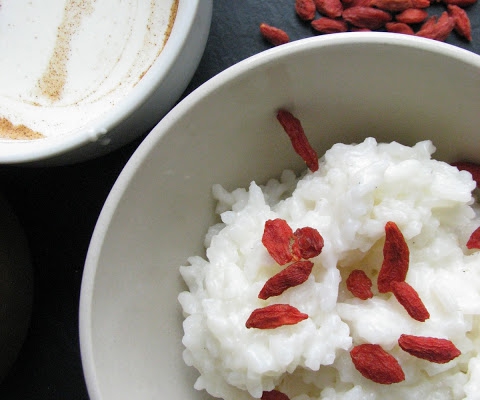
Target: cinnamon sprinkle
18 132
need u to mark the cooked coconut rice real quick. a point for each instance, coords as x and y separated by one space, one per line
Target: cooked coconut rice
356 191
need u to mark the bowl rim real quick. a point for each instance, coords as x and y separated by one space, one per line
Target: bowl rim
154 138
25 151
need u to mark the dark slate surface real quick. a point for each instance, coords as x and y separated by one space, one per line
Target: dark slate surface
58 208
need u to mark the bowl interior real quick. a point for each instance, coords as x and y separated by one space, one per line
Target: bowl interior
342 87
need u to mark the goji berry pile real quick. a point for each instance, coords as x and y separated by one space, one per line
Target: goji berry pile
374 363
371 360
284 245
398 16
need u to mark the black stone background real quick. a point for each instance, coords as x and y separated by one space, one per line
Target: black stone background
58 208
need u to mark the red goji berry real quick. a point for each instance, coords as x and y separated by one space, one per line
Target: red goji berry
412 16
437 29
274 395
436 350
295 132
329 25
408 297
273 35
374 363
277 236
444 26
366 17
395 258
305 9
293 275
274 316
399 27
474 240
308 243
329 8
359 284
462 22
400 5
471 167
428 24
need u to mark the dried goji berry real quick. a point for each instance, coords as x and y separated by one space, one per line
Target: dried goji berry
400 5
274 395
395 258
275 36
412 16
428 25
359 284
274 316
431 349
439 30
329 25
444 26
366 17
329 8
300 143
474 240
293 275
308 243
399 27
408 297
374 363
428 29
462 22
305 9
471 167
277 237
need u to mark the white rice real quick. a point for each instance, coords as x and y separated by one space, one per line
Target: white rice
357 189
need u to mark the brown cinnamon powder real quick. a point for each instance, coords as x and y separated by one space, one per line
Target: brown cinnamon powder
11 131
173 15
168 31
53 81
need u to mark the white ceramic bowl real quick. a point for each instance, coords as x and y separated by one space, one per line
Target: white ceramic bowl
126 86
343 88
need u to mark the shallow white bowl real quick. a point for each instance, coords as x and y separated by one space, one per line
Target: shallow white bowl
343 88
141 108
